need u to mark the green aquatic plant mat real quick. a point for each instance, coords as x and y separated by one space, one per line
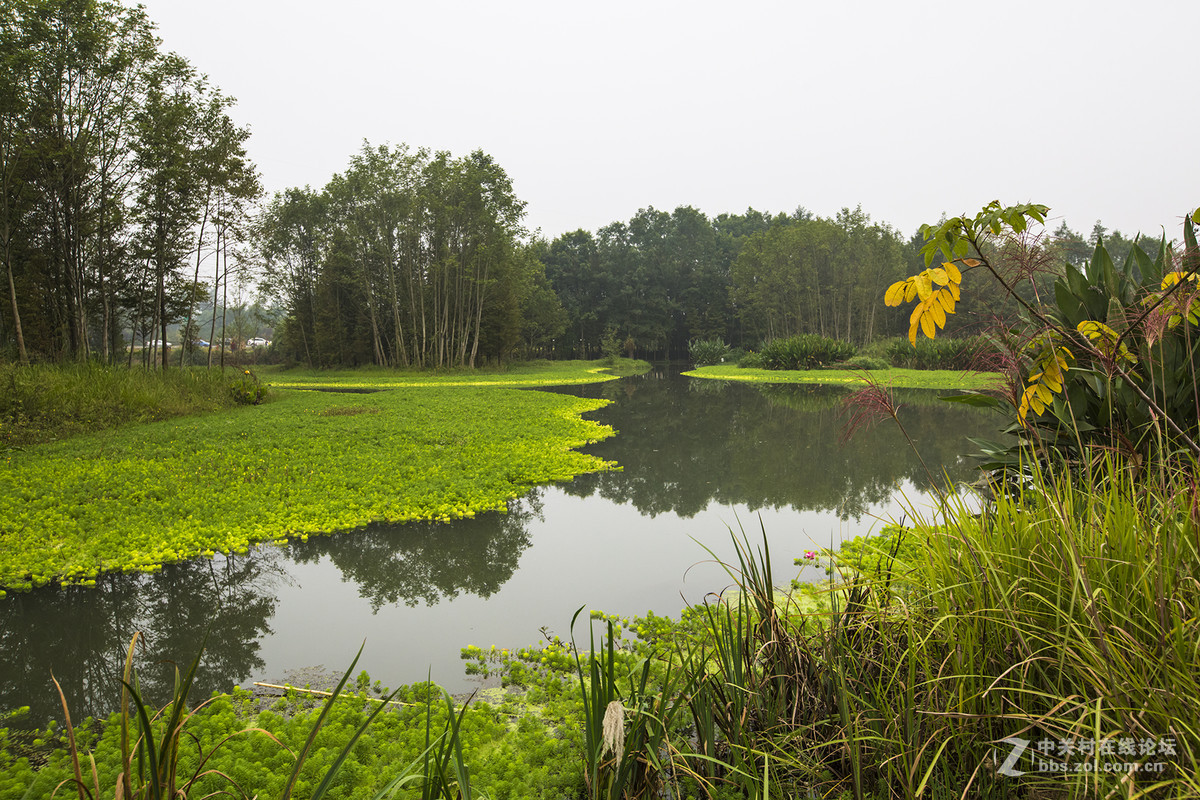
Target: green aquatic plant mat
310 462
539 373
895 378
354 746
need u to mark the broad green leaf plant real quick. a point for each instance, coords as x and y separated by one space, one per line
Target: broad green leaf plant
1112 360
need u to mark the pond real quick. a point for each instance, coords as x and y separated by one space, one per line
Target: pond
699 459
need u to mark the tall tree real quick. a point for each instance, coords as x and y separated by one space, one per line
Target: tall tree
426 248
108 153
169 191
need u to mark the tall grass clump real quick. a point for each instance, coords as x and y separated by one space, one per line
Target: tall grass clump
43 402
1079 602
1066 616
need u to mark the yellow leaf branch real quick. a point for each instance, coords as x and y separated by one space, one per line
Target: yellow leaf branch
935 303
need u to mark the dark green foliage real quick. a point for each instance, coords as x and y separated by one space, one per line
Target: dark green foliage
1127 335
941 353
610 346
118 163
408 258
817 276
660 278
1117 400
806 351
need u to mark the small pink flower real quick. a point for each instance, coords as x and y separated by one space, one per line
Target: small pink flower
811 555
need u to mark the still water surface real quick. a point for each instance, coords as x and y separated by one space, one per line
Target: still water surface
699 458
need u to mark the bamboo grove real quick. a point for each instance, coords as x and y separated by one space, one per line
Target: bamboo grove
120 168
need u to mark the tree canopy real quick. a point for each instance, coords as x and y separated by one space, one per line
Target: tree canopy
118 163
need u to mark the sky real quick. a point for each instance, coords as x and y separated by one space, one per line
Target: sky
596 110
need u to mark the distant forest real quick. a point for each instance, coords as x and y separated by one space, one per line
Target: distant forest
128 203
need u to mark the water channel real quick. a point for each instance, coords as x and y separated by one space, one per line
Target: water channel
699 458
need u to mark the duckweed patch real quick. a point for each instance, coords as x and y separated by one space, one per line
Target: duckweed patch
348 411
541 373
138 497
895 378
510 756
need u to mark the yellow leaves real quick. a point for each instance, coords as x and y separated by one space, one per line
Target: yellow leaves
1106 340
1172 278
935 303
1181 304
1042 386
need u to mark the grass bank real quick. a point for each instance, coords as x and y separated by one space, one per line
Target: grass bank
408 446
44 403
894 377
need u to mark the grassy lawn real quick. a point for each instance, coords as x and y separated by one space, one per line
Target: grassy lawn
895 377
421 447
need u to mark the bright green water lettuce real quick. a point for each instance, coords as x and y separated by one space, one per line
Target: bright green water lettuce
310 462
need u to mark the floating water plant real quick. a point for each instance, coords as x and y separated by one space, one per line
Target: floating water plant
137 497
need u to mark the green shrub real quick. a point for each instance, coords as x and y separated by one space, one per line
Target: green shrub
246 389
610 346
705 352
750 360
806 351
940 353
867 362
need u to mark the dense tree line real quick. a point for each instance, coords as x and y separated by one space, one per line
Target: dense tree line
657 281
408 258
121 173
819 276
661 279
123 180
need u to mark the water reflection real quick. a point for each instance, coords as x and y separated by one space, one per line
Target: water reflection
81 634
770 446
424 561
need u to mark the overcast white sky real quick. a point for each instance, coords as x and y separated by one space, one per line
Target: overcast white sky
595 110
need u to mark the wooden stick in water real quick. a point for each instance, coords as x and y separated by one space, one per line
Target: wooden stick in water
326 694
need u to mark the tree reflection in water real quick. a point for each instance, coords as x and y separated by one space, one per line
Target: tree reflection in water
428 561
769 446
82 634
